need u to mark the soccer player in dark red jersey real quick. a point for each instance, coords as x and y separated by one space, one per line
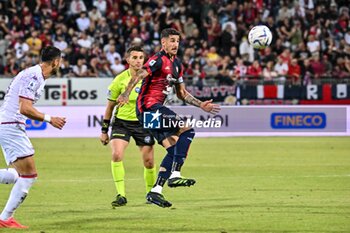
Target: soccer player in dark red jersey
161 72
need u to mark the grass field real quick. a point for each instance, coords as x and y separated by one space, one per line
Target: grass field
270 184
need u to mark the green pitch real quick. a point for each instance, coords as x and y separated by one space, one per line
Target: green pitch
250 184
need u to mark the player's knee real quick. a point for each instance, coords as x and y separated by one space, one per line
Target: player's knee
187 130
148 163
117 156
189 133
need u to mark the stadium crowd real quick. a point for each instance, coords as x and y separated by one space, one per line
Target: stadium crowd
311 38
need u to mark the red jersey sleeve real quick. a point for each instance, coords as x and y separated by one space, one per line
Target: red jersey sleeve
153 64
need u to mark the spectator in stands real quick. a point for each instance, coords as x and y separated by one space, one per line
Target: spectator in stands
284 29
338 73
281 68
246 50
294 70
307 72
21 48
347 37
83 22
328 67
313 45
225 72
111 54
11 69
233 53
77 6
317 66
189 27
65 70
198 75
286 56
254 70
210 69
226 39
95 14
301 52
268 72
34 43
266 56
60 43
296 35
347 64
212 55
117 67
80 69
84 40
101 5
284 12
240 70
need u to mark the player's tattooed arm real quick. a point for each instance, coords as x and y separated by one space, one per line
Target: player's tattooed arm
190 99
124 97
207 105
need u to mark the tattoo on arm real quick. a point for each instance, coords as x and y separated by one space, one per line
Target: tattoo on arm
190 99
140 74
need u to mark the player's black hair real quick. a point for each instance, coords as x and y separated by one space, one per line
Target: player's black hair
50 53
134 48
169 32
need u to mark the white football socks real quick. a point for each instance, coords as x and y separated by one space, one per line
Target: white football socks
8 176
157 189
17 196
175 174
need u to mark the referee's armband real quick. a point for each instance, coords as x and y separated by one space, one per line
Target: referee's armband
105 126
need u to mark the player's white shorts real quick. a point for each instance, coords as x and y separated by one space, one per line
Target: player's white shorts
15 142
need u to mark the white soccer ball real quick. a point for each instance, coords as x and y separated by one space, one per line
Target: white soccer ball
260 37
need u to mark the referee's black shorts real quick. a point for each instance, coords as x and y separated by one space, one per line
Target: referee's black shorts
123 129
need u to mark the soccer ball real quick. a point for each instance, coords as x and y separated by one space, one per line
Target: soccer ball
260 37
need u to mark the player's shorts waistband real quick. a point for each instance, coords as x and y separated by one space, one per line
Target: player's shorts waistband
11 122
126 121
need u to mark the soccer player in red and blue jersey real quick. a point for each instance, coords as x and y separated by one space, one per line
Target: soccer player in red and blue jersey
160 74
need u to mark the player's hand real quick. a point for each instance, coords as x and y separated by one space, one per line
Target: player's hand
58 122
104 138
123 99
208 106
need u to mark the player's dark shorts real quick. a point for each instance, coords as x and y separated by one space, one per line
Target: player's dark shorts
163 132
123 129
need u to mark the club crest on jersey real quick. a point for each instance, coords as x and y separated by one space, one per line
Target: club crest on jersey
147 139
32 84
109 93
137 90
152 62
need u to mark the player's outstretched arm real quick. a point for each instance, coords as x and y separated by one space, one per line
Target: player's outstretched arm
207 105
124 97
26 108
104 138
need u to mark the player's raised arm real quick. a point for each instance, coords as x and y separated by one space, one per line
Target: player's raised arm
124 97
207 105
26 108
